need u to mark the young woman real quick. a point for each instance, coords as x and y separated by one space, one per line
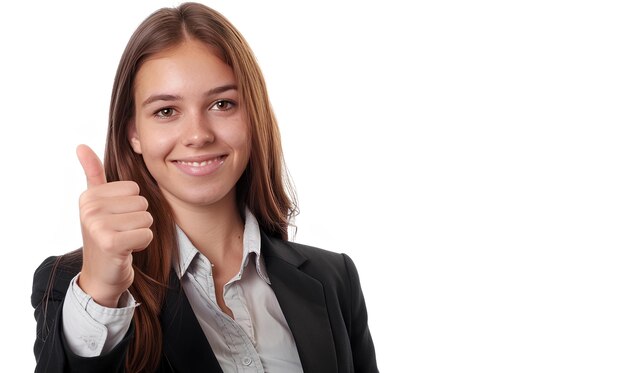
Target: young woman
185 264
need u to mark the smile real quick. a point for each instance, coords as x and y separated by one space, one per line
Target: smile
198 164
200 167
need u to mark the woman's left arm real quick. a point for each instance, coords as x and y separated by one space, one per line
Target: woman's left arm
363 354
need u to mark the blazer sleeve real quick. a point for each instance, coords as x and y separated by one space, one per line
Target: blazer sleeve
50 284
363 353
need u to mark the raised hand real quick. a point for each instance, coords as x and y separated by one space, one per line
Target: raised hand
114 223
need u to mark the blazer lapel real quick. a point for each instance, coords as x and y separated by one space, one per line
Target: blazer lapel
301 298
185 346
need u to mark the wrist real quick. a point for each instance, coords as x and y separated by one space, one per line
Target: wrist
104 296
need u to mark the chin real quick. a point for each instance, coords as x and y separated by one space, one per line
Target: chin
200 198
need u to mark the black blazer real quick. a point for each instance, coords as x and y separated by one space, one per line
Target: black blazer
318 291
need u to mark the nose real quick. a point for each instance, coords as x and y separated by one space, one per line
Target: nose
197 131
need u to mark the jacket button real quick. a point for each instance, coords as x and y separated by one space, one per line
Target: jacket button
247 361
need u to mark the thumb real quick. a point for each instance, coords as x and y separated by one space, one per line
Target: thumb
91 165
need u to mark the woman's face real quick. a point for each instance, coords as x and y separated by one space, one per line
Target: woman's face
190 125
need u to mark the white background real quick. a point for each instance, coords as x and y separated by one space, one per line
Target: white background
468 155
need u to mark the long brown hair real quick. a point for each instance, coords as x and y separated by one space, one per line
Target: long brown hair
264 186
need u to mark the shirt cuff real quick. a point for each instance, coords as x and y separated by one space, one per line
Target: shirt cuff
91 329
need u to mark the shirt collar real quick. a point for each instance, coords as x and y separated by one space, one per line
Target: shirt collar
251 245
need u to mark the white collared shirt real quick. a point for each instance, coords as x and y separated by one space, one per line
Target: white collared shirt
258 336
257 339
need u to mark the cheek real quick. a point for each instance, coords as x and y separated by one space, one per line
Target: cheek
237 135
241 141
155 144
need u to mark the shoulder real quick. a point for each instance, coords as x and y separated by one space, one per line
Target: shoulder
53 276
320 263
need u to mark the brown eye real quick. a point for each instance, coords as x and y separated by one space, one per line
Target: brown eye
223 105
164 113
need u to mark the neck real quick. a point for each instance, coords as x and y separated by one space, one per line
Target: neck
216 230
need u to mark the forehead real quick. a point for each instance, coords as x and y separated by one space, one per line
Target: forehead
188 66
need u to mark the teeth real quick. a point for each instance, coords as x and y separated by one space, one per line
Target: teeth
197 164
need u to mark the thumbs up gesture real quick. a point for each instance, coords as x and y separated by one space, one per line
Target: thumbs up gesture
114 223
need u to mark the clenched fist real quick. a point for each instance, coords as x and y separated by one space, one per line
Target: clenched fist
114 223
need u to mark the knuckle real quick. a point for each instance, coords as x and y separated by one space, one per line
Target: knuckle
148 218
84 198
148 238
144 202
96 229
89 209
133 187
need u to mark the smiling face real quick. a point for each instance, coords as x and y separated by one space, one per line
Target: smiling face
190 126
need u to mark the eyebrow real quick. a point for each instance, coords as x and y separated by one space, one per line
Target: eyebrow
167 97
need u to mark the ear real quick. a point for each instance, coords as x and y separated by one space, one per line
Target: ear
133 138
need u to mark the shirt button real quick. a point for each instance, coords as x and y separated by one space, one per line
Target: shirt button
91 343
247 361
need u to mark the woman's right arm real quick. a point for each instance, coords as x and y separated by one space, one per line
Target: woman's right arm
51 287
114 224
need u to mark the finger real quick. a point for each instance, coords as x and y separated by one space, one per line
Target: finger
114 205
135 240
113 189
127 222
92 166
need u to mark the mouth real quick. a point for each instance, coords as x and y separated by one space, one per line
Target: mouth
200 166
201 163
